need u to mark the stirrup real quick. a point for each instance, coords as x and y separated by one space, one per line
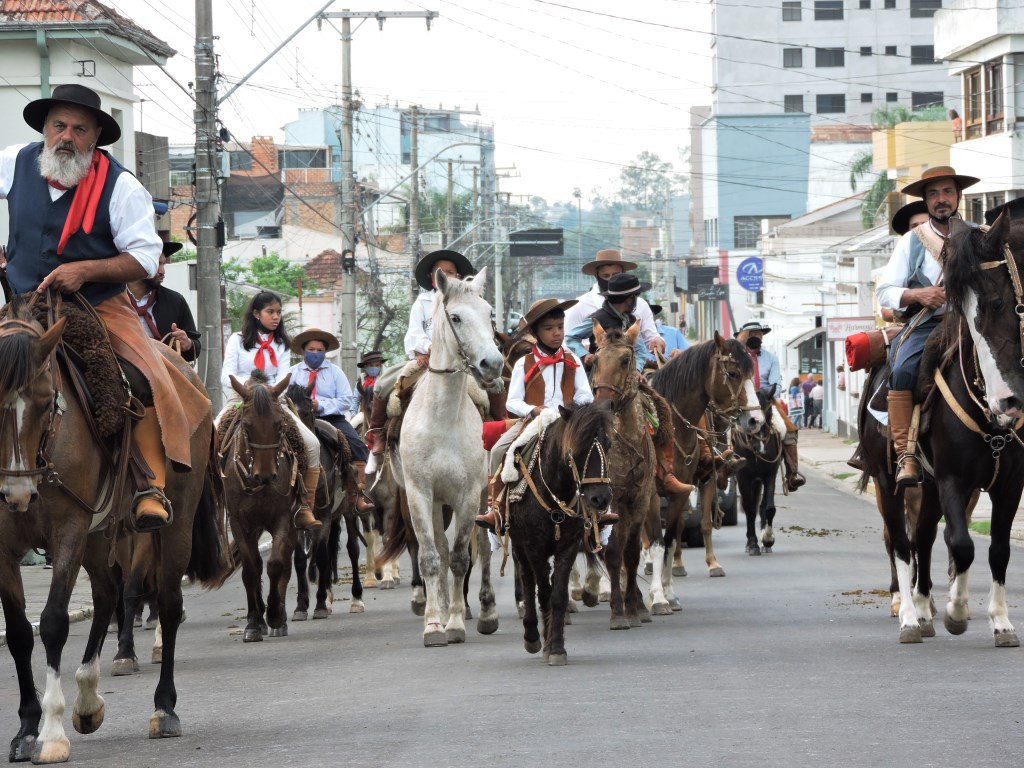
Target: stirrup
150 522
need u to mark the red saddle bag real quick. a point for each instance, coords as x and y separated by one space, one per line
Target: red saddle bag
870 349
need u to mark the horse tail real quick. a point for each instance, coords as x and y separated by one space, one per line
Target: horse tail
397 538
212 563
862 484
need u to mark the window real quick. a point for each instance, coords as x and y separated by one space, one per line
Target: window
922 54
793 103
994 96
924 9
889 4
829 57
792 57
240 161
828 10
747 229
922 99
302 158
983 100
865 50
891 97
890 50
865 4
974 208
181 168
865 98
791 12
831 102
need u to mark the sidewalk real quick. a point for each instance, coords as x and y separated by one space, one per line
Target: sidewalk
826 455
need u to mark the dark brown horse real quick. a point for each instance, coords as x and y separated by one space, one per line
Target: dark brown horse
261 471
570 489
45 437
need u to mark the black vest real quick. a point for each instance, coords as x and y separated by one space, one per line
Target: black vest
36 224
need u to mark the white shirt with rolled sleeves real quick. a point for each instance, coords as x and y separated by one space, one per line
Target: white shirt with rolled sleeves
592 300
893 281
516 402
131 212
241 362
417 338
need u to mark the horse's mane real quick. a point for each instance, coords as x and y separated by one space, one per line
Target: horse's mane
259 385
585 423
685 372
16 359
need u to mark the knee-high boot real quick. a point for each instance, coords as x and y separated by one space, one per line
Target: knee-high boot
152 509
901 414
794 479
304 518
375 438
356 493
669 484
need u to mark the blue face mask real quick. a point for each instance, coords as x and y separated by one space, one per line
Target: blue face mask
314 359
372 371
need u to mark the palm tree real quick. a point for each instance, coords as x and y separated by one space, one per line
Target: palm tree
873 206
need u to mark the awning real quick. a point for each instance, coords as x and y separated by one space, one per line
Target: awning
805 336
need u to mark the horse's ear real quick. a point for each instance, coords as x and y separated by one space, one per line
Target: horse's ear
503 338
719 341
239 387
49 340
478 282
564 412
633 332
440 281
282 385
997 234
599 334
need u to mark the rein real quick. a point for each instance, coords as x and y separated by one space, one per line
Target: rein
242 458
467 367
1018 287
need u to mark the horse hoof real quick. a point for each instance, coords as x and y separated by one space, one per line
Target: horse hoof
648 569
323 613
954 626
150 624
1007 639
157 657
577 593
419 608
281 631
387 584
767 549
589 599
635 621
124 667
571 607
716 571
21 749
164 725
619 622
56 751
298 615
678 570
661 609
604 597
435 638
644 614
675 605
252 636
487 626
558 659
356 607
455 636
753 549
370 582
927 628
532 646
910 635
469 613
264 627
86 724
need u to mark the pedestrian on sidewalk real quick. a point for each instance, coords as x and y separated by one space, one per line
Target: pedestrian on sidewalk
818 398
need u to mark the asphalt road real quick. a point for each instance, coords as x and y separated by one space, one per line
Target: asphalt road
790 660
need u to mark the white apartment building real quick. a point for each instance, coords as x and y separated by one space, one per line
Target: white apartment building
983 41
836 60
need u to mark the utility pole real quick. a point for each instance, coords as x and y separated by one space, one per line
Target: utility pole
414 204
349 321
487 193
449 229
208 205
476 209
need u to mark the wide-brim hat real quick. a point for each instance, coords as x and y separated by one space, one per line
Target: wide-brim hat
934 174
373 356
425 267
35 112
755 325
1014 208
656 309
901 219
624 284
171 247
310 334
606 256
542 307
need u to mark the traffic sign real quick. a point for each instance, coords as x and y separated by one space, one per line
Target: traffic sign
750 274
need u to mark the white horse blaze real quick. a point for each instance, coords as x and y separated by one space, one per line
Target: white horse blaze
996 388
756 416
18 490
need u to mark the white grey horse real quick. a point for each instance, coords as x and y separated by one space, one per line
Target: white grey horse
440 456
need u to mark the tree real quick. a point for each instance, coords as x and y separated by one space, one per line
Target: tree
648 183
873 205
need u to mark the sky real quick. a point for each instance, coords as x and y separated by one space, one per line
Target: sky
574 95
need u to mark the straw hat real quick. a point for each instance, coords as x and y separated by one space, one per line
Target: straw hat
329 339
542 307
935 174
606 256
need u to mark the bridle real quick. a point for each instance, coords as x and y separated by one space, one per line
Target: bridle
1018 287
9 416
243 457
626 393
467 366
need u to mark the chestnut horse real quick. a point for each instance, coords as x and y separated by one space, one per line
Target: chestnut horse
45 437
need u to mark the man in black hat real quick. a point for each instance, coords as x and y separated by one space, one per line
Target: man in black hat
615 313
910 285
163 312
80 222
417 338
370 366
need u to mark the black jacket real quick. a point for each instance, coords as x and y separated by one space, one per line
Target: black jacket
171 307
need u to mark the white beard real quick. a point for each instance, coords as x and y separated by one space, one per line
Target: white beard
66 170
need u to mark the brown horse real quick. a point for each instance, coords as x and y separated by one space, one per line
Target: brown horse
45 436
260 492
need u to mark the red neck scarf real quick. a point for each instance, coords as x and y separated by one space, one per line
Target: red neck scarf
757 369
542 361
312 382
267 345
87 197
146 312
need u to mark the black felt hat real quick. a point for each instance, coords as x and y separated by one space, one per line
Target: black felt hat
425 267
35 112
624 284
901 219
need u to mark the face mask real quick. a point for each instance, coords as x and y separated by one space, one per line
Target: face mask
754 343
314 359
602 285
371 371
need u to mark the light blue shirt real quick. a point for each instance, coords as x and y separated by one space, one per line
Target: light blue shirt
673 337
768 372
333 393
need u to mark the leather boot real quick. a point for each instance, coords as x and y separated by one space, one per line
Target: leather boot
491 519
362 503
152 509
901 412
794 479
304 518
375 437
733 461
668 483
